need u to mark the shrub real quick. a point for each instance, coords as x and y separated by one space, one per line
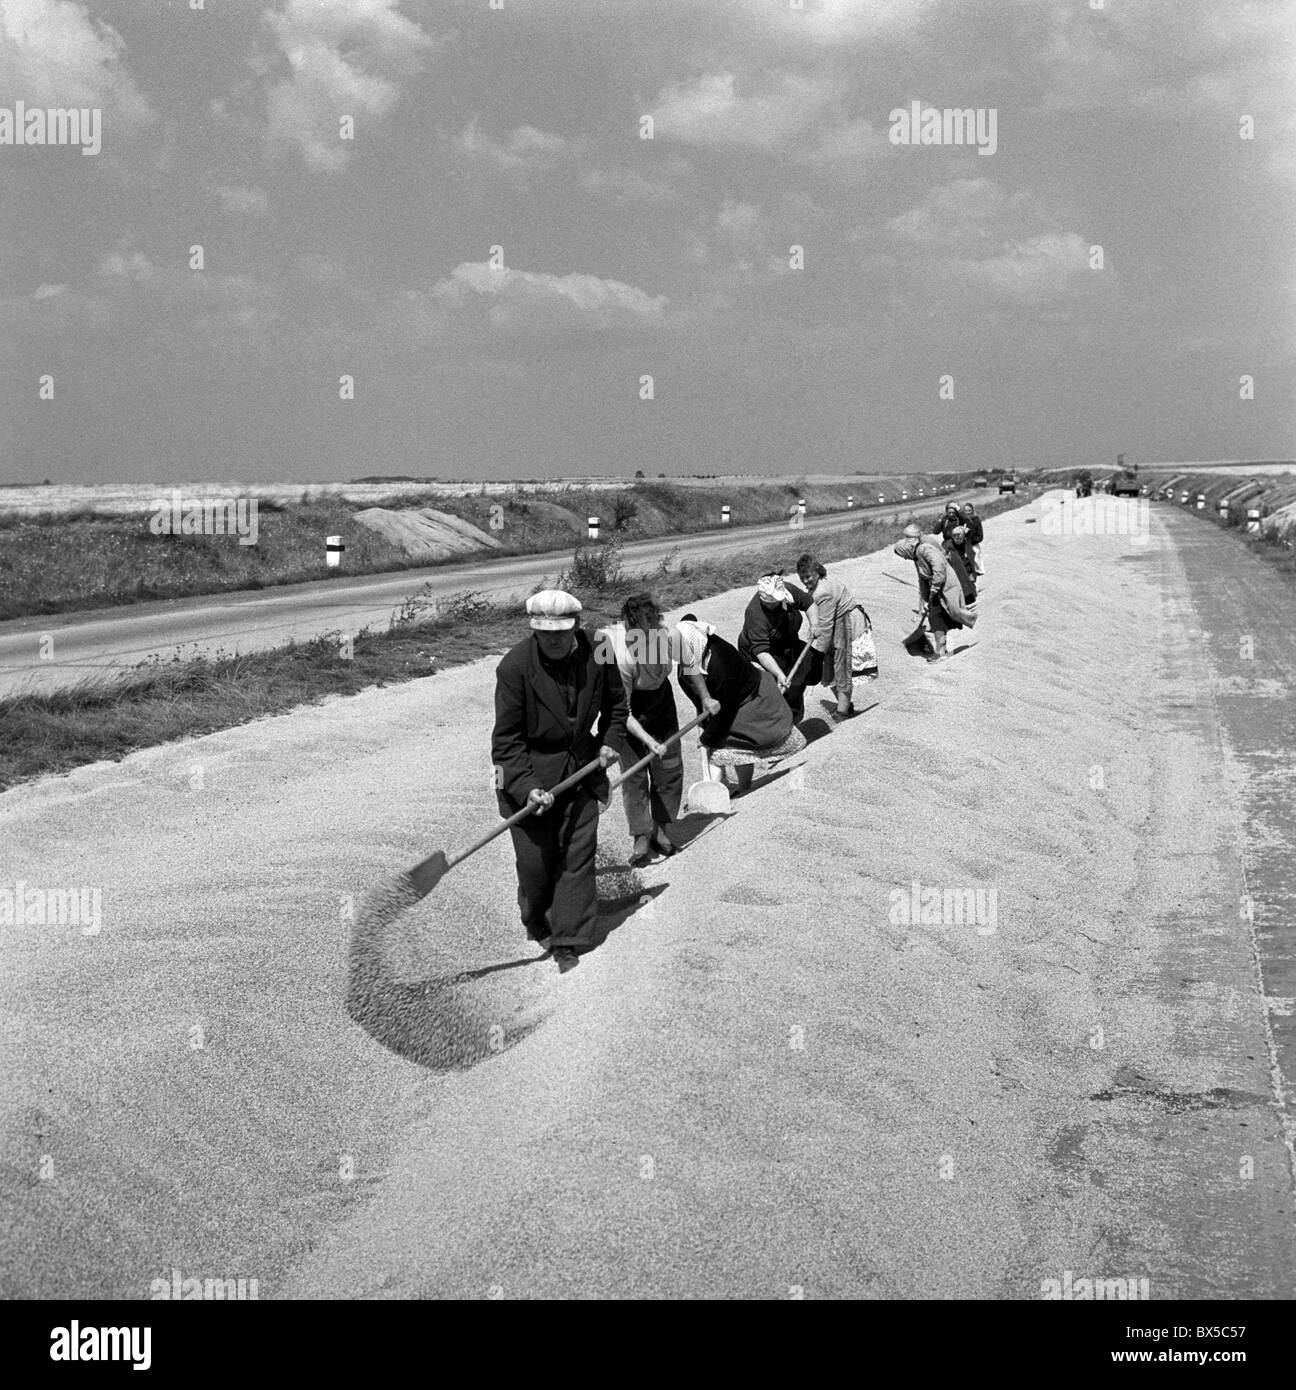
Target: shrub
595 566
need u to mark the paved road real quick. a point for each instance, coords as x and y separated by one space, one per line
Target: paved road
773 1078
114 640
1250 642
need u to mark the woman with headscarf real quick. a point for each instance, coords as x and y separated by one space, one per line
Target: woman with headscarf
958 554
952 518
839 620
750 720
771 636
975 535
938 587
640 646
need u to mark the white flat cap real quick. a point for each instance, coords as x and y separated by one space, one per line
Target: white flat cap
553 610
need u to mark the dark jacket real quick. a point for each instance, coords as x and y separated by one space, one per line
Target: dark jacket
731 681
535 742
774 630
975 532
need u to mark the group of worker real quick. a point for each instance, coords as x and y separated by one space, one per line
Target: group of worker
571 695
948 565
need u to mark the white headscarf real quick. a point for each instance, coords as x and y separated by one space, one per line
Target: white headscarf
772 589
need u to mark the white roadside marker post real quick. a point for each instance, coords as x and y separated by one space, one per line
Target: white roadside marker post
724 515
333 549
592 528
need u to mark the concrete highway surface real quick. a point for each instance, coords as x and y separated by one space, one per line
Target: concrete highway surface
777 1077
105 642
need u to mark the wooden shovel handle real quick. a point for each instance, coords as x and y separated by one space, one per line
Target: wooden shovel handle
565 785
666 743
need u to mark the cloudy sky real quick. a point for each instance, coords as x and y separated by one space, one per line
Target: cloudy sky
520 128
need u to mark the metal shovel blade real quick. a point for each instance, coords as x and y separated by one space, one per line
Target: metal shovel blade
709 799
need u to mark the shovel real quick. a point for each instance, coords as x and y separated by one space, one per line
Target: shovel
389 900
917 642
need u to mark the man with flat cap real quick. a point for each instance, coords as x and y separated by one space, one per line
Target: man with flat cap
549 694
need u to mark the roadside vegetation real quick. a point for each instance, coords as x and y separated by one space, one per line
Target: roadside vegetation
161 701
56 563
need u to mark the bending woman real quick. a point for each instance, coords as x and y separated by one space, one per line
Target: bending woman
750 720
771 636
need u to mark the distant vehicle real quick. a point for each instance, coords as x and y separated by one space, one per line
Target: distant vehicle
1007 485
980 482
1125 484
1084 484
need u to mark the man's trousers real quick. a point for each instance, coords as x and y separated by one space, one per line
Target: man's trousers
555 869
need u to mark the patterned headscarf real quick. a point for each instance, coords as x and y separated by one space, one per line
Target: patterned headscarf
772 590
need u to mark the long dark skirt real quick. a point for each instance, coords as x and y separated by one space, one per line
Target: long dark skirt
763 721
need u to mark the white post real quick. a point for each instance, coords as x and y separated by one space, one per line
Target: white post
333 548
724 515
801 509
592 523
881 498
1201 501
850 501
1253 519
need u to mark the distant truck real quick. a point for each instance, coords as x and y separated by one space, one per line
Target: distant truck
980 482
1007 485
1125 484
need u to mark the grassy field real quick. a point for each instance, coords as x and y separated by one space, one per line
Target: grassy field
56 731
84 560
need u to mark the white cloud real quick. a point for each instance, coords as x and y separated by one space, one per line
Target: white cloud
653 185
524 150
54 54
121 268
712 112
847 22
244 202
805 117
969 237
522 300
345 58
